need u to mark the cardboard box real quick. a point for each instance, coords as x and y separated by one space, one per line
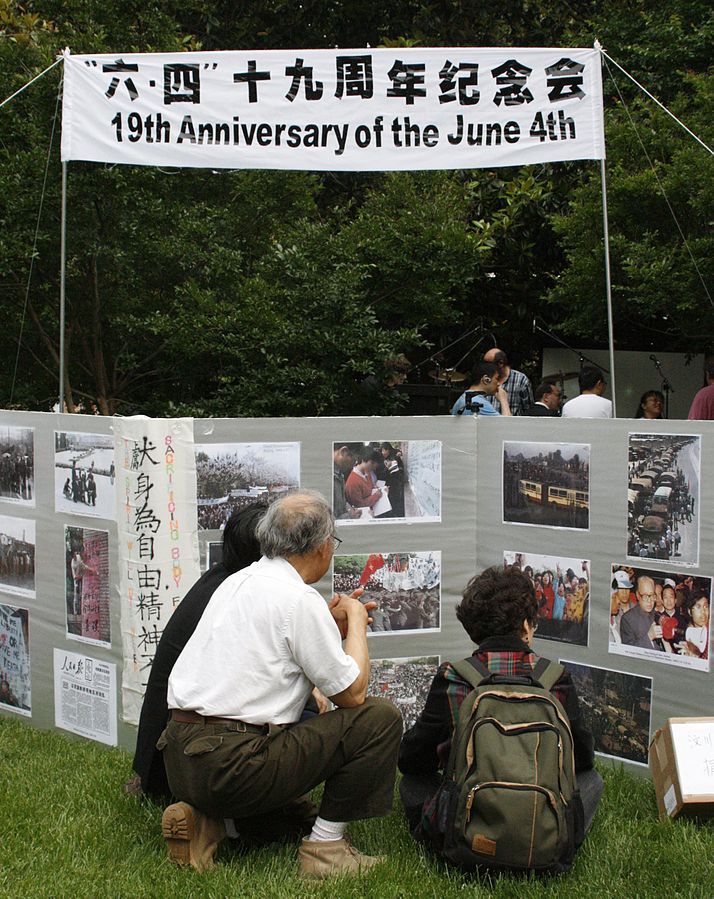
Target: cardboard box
682 766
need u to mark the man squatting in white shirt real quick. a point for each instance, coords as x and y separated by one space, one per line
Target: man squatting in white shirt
235 745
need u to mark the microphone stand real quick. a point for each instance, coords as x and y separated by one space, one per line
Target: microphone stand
666 386
583 358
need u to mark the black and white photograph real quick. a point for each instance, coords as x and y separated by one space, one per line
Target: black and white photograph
547 484
17 555
232 475
562 588
386 481
661 616
616 708
87 586
85 473
404 682
405 586
15 680
17 465
663 498
214 553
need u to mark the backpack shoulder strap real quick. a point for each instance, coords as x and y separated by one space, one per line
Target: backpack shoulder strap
548 673
472 670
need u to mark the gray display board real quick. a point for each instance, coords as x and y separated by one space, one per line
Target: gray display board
454 523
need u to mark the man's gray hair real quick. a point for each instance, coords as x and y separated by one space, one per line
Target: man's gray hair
295 525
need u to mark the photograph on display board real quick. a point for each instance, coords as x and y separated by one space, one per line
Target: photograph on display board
87 585
17 555
386 481
562 589
85 474
663 498
404 682
405 586
17 465
15 679
547 484
659 615
230 476
616 708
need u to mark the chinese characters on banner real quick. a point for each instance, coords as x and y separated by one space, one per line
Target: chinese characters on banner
158 543
350 110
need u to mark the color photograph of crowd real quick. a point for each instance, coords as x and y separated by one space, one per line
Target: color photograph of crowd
85 474
547 484
406 588
230 476
661 616
562 588
386 481
17 555
17 466
616 707
663 497
404 682
15 682
87 586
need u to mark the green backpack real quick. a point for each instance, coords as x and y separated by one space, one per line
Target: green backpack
509 798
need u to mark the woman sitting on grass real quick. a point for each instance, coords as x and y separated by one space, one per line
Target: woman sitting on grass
499 612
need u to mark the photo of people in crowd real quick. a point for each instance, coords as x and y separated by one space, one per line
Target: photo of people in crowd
663 497
17 465
405 586
562 588
232 475
85 474
17 555
15 683
386 481
404 682
87 586
616 707
661 616
547 484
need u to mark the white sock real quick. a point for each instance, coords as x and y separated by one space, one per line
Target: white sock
327 830
231 831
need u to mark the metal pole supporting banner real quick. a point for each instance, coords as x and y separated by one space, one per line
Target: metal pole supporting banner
63 265
608 286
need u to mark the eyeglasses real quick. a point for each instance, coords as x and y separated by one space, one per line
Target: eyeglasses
336 543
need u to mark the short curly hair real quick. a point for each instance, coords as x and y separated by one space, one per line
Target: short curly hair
496 602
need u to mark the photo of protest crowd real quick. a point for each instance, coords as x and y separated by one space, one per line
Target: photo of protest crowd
405 586
386 480
661 616
17 555
616 707
232 475
87 585
562 588
663 497
17 465
85 474
15 684
404 682
547 484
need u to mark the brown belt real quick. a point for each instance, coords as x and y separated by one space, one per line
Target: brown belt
183 716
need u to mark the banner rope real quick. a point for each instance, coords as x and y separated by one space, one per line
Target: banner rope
36 78
653 98
33 255
659 182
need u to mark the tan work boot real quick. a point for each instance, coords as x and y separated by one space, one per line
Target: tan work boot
191 837
321 858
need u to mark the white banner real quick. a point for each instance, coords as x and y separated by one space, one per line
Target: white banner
158 541
327 110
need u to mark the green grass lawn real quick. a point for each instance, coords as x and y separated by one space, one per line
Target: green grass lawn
66 829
